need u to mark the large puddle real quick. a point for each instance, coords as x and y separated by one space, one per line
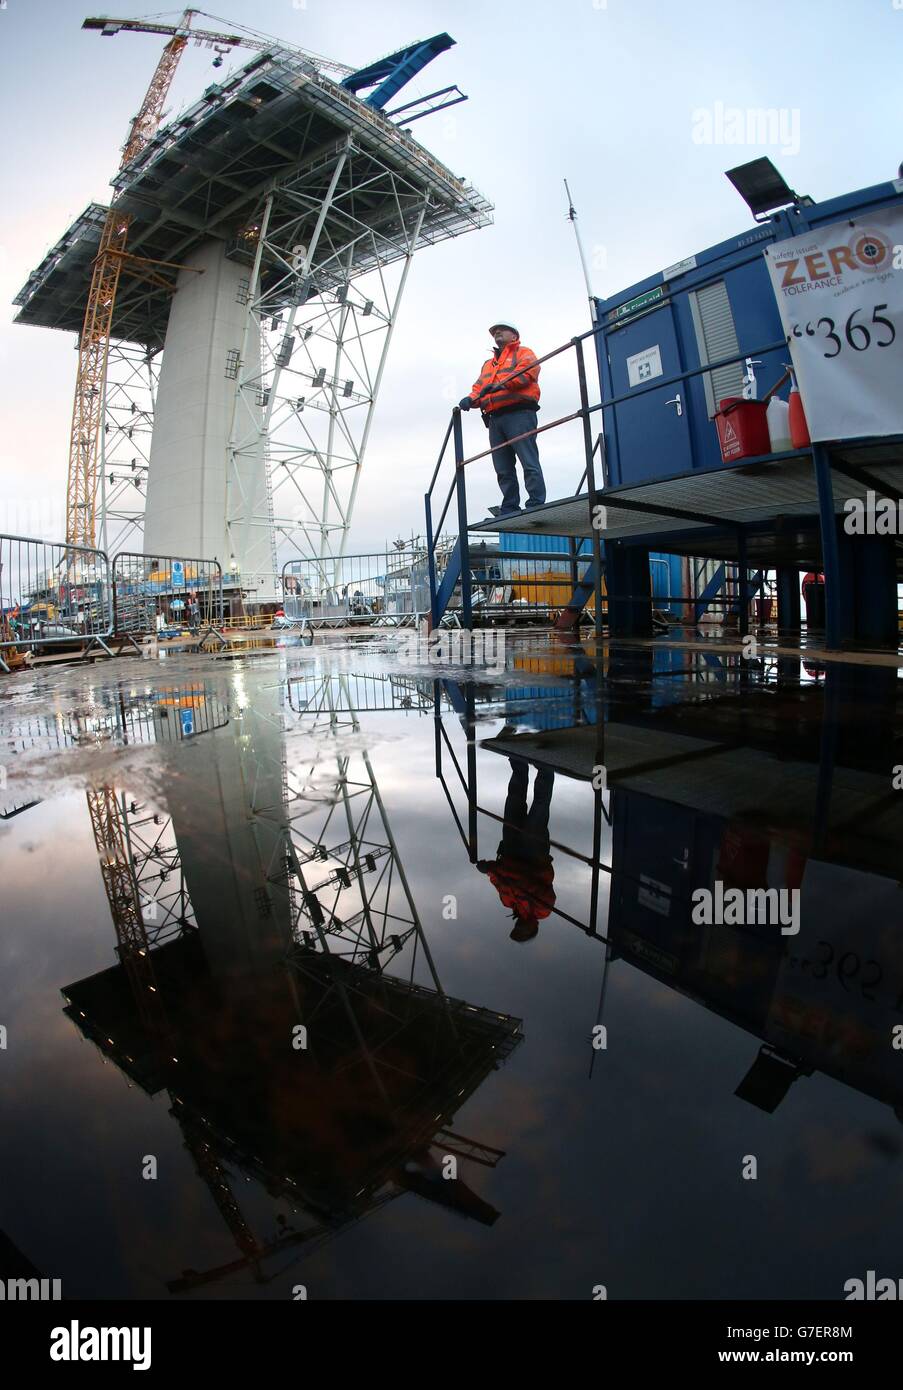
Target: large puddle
332 967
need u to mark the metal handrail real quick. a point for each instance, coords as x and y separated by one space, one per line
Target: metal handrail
584 413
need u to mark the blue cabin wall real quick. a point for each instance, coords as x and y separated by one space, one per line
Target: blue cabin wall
645 437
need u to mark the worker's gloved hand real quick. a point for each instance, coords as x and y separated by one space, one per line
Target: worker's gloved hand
465 403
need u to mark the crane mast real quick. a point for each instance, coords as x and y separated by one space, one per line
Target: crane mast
94 340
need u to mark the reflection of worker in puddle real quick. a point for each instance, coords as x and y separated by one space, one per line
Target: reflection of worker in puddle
522 871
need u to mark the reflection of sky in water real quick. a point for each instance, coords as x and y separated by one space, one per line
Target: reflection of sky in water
629 1178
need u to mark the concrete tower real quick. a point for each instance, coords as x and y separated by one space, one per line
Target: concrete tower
200 505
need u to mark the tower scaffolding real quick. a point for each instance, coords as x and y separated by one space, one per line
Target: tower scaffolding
279 215
133 373
325 338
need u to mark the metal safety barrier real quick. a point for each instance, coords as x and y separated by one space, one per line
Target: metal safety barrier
513 587
52 596
388 588
162 595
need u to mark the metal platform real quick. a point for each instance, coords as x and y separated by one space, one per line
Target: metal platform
204 175
699 513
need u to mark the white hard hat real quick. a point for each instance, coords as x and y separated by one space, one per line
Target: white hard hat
504 323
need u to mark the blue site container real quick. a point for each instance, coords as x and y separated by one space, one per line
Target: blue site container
665 570
538 544
716 304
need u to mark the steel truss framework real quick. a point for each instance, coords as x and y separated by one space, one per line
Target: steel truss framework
133 373
334 859
412 1046
353 913
324 200
325 329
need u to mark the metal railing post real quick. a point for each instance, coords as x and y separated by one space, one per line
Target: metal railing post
742 584
463 541
590 486
470 728
431 559
830 550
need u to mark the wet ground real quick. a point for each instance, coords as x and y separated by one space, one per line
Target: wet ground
335 967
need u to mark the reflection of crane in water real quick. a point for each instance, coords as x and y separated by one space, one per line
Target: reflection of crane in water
337 1130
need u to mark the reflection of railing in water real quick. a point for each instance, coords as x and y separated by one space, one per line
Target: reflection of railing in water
745 790
358 692
467 777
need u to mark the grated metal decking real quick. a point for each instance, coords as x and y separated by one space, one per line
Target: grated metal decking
699 512
712 778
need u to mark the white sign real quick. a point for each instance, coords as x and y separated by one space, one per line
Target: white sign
654 895
840 295
643 366
679 268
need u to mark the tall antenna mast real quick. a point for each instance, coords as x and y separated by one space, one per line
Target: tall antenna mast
572 216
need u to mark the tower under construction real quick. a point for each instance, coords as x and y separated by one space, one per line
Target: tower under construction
270 229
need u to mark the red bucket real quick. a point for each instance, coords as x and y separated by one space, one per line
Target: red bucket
742 428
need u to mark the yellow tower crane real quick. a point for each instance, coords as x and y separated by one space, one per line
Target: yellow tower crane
112 256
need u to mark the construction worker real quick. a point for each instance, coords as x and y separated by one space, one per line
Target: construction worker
522 872
509 400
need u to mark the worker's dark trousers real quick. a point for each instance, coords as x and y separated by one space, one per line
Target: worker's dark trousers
506 427
525 834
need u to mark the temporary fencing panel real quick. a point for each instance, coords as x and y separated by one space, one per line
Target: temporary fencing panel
156 593
52 595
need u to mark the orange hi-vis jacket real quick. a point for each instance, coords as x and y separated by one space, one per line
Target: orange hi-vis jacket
525 887
517 389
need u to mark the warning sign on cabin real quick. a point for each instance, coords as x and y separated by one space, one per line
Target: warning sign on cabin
840 295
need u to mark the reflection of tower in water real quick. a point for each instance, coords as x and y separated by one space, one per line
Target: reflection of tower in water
290 1054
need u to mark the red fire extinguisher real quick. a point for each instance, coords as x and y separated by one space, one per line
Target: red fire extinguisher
799 428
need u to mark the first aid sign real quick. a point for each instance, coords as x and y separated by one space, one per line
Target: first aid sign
840 295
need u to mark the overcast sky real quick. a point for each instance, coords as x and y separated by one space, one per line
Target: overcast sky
615 96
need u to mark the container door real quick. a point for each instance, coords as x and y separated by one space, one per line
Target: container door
652 430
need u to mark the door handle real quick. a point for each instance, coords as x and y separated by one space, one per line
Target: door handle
675 400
